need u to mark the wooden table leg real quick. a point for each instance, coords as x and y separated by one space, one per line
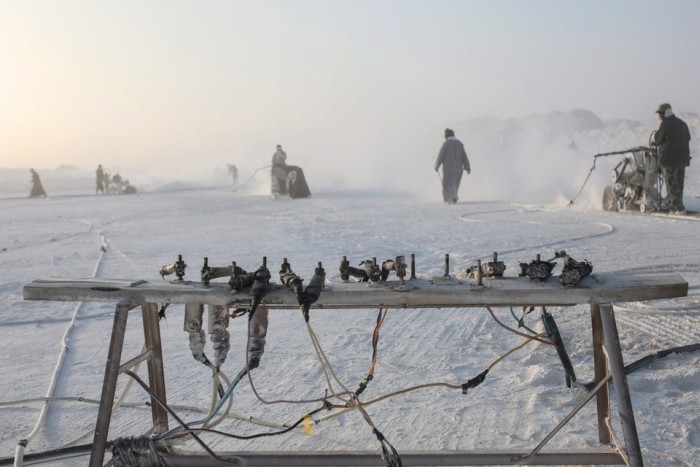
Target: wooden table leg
156 377
617 368
109 385
600 363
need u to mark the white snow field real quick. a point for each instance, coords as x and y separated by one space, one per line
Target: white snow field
521 400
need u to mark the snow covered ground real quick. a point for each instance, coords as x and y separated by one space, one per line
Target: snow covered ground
523 398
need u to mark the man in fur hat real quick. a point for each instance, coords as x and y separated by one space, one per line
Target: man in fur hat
673 140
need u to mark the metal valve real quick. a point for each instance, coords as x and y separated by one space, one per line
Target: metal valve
537 270
178 268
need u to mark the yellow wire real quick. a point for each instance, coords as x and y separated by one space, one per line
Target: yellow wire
514 349
423 386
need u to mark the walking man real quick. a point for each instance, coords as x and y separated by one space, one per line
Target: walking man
453 159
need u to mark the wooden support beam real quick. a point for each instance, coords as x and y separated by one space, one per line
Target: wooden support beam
408 458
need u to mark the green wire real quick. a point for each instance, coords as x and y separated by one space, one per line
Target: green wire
520 324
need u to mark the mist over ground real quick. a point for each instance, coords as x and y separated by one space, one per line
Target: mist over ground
539 158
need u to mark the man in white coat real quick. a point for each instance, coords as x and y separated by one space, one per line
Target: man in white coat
453 159
279 172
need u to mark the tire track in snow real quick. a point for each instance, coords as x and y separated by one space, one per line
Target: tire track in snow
672 329
677 308
91 227
607 230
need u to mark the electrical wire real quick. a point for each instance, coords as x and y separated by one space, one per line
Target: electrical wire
250 178
381 316
191 408
354 400
287 429
51 455
170 433
278 401
233 415
421 386
326 366
352 403
521 322
119 402
571 202
49 399
215 407
389 454
537 338
165 406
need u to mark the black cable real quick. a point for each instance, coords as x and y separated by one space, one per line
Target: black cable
660 354
637 364
553 332
389 454
179 420
53 454
132 450
474 382
326 405
571 202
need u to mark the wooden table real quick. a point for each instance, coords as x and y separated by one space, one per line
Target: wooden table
597 290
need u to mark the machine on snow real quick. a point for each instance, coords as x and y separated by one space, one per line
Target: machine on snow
637 184
118 185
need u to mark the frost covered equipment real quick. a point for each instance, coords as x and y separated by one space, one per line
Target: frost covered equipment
637 180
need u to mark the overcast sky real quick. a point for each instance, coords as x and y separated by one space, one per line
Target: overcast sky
195 84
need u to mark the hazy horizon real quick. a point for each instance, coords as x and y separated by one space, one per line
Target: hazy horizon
357 92
540 158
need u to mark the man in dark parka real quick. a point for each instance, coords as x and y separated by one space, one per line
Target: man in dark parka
673 139
453 159
298 188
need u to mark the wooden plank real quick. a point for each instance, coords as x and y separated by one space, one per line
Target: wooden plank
418 293
599 456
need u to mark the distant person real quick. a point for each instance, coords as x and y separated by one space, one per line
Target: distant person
37 187
673 140
279 172
233 172
107 178
453 159
298 188
100 180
